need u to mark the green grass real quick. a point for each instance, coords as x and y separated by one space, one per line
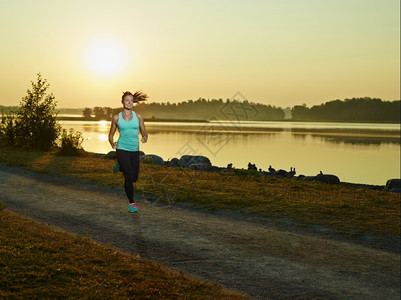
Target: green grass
346 208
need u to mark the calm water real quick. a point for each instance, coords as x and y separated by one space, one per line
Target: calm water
359 153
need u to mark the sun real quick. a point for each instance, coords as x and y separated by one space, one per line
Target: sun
105 58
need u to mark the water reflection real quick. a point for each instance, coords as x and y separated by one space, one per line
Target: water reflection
359 153
358 140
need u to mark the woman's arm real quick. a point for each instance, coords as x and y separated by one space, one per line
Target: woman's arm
112 131
142 129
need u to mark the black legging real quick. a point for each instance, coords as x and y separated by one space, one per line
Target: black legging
129 165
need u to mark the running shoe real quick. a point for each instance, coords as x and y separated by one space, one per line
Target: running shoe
133 208
116 168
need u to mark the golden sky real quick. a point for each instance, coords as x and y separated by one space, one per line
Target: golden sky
282 53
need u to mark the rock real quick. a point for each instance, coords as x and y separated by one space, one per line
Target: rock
215 169
282 173
323 178
152 158
267 174
393 185
187 160
328 178
111 155
172 163
199 167
251 166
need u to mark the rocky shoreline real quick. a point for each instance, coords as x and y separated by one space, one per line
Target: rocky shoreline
202 163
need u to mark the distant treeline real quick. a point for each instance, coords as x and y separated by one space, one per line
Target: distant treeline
200 109
72 111
7 109
350 110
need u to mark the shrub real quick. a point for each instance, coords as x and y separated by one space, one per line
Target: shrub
36 125
7 129
70 142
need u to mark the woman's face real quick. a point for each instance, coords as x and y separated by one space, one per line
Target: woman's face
128 101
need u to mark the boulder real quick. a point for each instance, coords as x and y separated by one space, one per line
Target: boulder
327 178
267 174
252 166
282 173
393 185
215 169
172 163
324 178
111 155
199 167
152 158
200 161
99 155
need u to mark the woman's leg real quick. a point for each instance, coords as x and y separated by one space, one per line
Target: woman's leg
124 159
135 165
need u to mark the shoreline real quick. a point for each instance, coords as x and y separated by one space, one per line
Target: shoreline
326 179
145 119
80 118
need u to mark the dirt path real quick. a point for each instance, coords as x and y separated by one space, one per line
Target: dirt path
249 255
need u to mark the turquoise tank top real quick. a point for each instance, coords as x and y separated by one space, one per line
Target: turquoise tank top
129 130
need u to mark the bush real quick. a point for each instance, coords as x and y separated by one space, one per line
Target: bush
35 124
7 129
71 142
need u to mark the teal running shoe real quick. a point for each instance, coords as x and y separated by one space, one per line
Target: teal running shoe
133 208
116 168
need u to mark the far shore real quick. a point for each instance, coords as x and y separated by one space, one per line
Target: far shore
69 118
80 118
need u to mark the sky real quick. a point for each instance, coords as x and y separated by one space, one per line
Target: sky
282 53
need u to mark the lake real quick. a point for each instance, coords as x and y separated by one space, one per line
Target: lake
355 152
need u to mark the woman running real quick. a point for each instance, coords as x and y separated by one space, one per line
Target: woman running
129 124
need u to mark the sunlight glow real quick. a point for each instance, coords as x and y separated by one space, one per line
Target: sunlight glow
105 58
103 123
103 137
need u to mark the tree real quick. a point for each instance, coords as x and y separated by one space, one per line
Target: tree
99 113
36 125
87 113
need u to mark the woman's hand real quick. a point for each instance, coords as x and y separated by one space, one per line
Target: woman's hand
114 145
144 139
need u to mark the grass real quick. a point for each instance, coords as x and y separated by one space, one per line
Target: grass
37 261
344 207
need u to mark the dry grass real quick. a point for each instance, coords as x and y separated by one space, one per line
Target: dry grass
39 262
350 210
